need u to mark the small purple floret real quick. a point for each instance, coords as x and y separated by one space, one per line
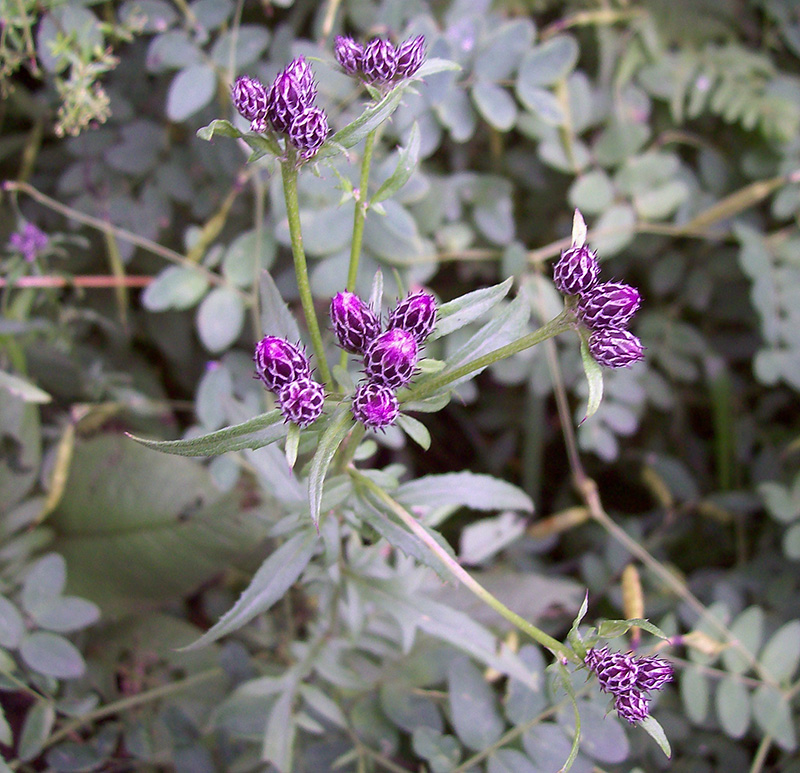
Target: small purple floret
391 358
278 363
286 100
610 304
615 348
348 53
416 313
375 405
654 673
300 70
309 130
302 401
250 100
379 63
30 241
576 271
632 706
355 324
617 672
410 56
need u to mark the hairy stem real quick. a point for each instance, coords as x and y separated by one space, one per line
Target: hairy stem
559 324
452 566
289 173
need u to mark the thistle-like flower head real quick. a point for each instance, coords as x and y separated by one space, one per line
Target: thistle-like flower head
379 63
617 672
285 101
302 401
309 130
416 313
576 271
391 358
375 405
250 100
30 241
355 324
609 304
654 673
615 348
410 56
279 363
632 706
348 53
300 70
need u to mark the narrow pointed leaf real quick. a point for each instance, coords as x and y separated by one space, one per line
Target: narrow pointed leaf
461 311
334 434
594 377
370 119
406 164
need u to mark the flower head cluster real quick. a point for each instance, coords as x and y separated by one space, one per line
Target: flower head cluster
287 106
628 678
390 357
379 62
605 308
284 369
30 241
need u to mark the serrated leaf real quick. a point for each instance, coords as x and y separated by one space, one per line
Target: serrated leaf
253 433
416 430
275 576
336 431
459 312
652 727
781 654
51 654
594 378
407 161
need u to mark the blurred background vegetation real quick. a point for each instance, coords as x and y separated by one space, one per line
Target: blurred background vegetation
674 125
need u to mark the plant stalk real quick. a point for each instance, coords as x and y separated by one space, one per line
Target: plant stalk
360 214
289 174
559 324
556 647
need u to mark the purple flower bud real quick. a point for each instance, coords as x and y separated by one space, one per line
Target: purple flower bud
30 241
594 657
279 363
654 673
309 130
631 706
302 401
615 348
576 271
609 304
410 56
354 322
374 405
616 672
300 70
416 313
250 99
348 53
285 101
379 63
391 358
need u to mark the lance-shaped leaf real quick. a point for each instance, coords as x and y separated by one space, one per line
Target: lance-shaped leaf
461 311
334 434
594 377
406 164
262 144
276 575
253 433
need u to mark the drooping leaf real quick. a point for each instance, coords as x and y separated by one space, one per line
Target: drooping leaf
652 727
416 430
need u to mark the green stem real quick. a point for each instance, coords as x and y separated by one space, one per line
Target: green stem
452 566
289 173
360 214
559 324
